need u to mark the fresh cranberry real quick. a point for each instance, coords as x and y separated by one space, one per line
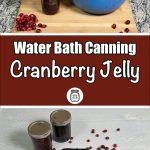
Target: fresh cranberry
33 28
88 140
127 22
69 142
40 25
38 30
103 146
17 19
17 26
26 16
127 30
105 131
71 138
107 138
21 14
29 29
93 131
114 26
118 129
32 16
23 29
106 148
115 145
44 25
97 135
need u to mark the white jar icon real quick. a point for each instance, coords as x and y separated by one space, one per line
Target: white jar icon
74 96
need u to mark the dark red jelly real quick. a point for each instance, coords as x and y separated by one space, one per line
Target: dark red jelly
61 124
50 7
40 133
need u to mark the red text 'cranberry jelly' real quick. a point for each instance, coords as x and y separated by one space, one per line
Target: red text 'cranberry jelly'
40 133
61 124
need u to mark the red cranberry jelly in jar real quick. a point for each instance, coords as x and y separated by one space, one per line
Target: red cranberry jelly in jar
61 123
50 7
40 133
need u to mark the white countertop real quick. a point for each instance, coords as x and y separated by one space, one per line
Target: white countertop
134 125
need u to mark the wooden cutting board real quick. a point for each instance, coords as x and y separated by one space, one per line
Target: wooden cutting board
71 19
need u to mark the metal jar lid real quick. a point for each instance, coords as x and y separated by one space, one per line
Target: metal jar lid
39 129
60 117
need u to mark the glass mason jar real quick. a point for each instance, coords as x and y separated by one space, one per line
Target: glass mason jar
61 124
40 133
50 7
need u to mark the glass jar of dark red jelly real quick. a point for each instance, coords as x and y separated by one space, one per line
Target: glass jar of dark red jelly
61 124
40 133
50 7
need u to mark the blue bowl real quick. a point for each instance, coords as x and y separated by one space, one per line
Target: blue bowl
98 6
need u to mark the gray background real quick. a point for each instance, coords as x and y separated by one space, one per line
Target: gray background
9 9
134 124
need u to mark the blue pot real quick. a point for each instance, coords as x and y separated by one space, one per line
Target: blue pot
98 6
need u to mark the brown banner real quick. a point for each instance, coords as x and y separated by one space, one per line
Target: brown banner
52 91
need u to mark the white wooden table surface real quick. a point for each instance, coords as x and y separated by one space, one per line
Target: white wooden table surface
134 125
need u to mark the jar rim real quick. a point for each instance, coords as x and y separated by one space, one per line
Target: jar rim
60 117
39 129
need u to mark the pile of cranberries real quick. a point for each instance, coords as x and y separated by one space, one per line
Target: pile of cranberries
28 22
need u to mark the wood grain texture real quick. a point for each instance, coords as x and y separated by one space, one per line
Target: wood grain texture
72 20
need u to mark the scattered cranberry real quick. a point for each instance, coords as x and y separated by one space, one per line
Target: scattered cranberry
71 138
103 146
23 29
33 28
105 131
40 25
118 129
99 148
106 148
29 29
21 14
127 22
32 16
113 149
88 140
44 25
54 149
126 30
107 138
114 26
38 30
93 131
90 147
69 142
115 145
97 135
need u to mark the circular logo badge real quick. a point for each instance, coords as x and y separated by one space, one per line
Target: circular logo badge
75 95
